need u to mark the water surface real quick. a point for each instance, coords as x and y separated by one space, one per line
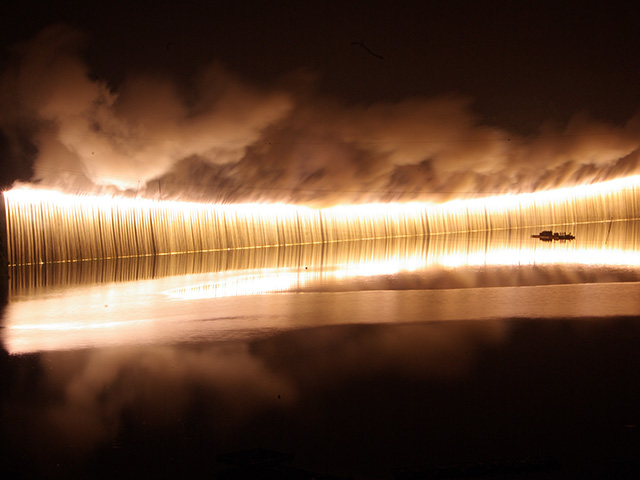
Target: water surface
360 359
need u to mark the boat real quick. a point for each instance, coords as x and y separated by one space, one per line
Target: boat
549 235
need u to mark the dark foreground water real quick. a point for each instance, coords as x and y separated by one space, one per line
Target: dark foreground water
456 356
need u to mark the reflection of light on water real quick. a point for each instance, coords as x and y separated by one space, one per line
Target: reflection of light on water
610 243
272 281
532 256
268 281
383 267
240 284
233 300
65 326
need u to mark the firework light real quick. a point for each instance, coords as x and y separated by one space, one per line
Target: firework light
47 226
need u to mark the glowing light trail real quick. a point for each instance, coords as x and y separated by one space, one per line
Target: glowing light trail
264 270
49 227
89 313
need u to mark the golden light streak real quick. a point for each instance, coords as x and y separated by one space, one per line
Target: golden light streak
611 243
53 227
68 326
47 226
528 256
265 281
170 308
241 284
285 280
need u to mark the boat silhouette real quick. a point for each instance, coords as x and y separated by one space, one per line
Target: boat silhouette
549 235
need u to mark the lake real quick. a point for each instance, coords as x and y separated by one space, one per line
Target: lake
366 359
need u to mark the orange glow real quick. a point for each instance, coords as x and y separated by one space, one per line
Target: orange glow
564 255
68 326
265 281
323 248
67 316
241 284
46 226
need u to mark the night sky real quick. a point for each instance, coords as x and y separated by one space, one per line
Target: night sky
319 102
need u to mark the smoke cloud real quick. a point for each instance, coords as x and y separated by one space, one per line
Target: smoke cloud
221 138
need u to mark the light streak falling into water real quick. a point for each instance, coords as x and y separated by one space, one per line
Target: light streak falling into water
48 227
232 299
71 310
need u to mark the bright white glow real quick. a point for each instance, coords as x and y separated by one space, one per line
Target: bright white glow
66 326
47 226
565 255
34 195
241 284
178 307
35 322
271 281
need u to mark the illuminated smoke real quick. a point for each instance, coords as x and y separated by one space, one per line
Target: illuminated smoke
125 138
221 139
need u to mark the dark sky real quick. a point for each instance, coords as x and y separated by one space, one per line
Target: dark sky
543 59
519 70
